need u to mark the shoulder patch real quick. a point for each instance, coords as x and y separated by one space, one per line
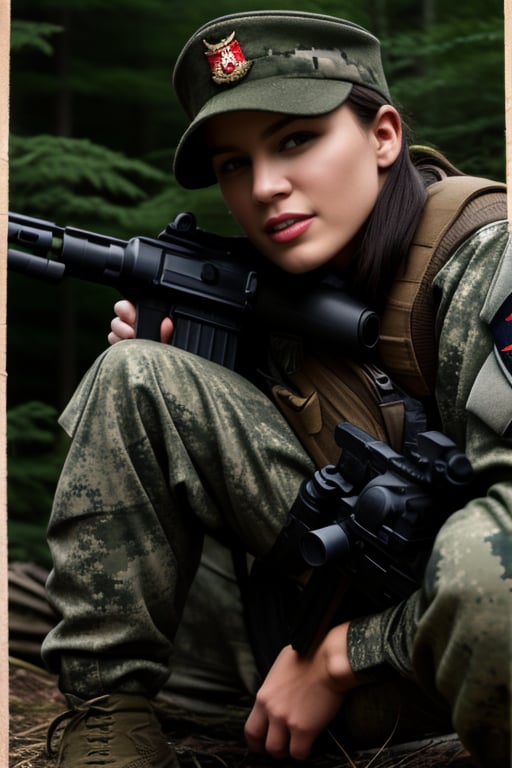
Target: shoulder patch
501 328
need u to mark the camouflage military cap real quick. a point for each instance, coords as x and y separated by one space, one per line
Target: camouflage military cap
277 61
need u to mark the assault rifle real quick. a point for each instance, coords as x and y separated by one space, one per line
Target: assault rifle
365 527
211 286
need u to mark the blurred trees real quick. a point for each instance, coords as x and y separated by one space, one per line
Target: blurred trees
94 124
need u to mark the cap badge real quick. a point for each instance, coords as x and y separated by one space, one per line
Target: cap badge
227 61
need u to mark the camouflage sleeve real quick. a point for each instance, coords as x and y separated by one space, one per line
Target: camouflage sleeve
474 398
382 642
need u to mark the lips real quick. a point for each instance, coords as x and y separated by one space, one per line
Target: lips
287 226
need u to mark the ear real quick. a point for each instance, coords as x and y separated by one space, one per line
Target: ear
387 130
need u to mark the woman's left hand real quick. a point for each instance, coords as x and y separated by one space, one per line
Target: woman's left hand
300 697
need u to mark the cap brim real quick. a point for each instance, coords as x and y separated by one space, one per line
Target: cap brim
289 96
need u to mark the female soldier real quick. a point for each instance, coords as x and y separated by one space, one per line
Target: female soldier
291 115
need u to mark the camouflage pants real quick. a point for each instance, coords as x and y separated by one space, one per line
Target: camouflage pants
167 447
164 448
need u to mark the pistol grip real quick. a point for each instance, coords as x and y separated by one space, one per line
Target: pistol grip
149 319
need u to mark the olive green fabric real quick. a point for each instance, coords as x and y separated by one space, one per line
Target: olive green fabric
277 61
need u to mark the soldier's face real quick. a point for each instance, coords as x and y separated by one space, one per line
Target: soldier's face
301 188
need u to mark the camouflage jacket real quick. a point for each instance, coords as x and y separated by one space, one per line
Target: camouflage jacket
474 398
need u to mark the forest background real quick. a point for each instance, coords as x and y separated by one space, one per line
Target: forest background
94 124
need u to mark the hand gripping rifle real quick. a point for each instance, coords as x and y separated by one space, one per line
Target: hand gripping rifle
365 527
211 286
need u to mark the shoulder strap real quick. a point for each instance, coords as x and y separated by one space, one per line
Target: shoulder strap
455 208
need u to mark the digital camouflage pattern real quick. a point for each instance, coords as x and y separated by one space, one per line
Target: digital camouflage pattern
454 635
166 446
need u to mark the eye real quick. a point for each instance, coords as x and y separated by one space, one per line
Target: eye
227 165
297 139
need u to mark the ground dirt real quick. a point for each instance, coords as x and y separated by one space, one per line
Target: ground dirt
200 742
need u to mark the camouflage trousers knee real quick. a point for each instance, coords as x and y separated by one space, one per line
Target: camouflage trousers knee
165 446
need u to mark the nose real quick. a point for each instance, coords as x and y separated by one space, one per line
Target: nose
269 180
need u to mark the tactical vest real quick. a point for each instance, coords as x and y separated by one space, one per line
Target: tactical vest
326 390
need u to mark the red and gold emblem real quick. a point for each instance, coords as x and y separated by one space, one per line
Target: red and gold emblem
227 61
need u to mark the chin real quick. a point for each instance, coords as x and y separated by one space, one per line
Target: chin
302 269
295 266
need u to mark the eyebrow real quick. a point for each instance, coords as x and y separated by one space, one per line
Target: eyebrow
269 131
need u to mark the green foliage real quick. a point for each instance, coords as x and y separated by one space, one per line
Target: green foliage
81 180
450 79
35 456
33 35
209 208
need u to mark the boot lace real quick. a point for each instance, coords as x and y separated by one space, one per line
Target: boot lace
97 731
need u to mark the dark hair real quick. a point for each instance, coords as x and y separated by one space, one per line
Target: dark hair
389 229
